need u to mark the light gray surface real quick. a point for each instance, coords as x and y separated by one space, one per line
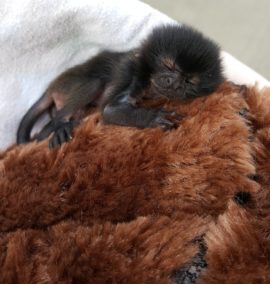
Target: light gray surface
241 27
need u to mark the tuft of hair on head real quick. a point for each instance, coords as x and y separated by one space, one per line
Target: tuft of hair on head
183 43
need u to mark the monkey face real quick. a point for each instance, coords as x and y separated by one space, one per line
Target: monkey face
175 84
170 80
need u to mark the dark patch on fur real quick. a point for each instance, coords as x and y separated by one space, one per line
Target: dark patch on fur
242 197
191 272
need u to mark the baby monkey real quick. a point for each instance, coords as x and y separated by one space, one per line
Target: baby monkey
175 62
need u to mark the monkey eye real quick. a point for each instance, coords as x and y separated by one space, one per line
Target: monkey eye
166 82
193 80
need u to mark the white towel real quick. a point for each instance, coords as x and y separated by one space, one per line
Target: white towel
41 38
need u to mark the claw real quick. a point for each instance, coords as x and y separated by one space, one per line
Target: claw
171 114
165 119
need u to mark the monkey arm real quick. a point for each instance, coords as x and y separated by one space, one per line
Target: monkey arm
123 111
121 105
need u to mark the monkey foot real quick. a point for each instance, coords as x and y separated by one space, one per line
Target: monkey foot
62 133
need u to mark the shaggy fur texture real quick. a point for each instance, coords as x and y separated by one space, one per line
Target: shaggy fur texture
122 205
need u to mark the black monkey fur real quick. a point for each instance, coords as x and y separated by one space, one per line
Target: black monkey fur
176 62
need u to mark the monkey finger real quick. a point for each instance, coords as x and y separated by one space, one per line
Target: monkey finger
165 124
68 133
175 115
54 141
62 137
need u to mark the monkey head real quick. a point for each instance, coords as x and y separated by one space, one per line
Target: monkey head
181 63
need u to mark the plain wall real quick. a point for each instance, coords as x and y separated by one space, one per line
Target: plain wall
241 27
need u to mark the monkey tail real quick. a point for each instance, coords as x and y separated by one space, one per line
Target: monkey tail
30 118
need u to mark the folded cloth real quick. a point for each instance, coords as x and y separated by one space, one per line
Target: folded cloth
41 38
123 205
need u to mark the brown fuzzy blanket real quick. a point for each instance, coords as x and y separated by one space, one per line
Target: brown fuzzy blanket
123 205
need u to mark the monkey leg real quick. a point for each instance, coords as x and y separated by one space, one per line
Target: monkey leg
70 106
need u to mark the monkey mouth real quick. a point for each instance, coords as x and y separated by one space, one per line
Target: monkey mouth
176 94
158 93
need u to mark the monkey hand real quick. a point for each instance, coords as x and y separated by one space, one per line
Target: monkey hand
166 120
